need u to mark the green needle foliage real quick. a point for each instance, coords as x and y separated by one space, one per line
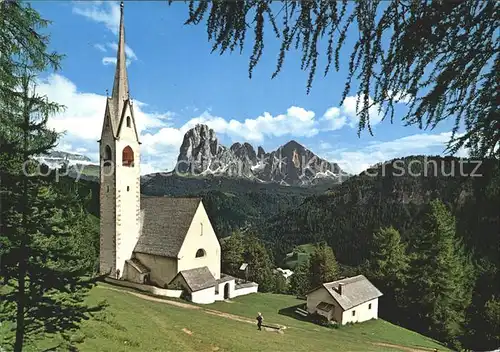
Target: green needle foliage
41 270
440 57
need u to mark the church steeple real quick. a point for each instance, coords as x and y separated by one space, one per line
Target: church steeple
120 87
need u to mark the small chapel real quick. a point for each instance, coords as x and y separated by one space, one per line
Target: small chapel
152 242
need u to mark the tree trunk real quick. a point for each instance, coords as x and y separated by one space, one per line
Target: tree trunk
21 295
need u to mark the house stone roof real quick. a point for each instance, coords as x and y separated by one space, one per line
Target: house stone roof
137 265
164 224
355 291
198 278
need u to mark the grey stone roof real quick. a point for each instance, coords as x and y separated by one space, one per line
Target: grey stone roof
137 265
164 224
198 278
355 291
225 278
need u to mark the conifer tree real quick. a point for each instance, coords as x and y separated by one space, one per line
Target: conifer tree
300 281
259 262
43 286
441 277
233 251
388 268
492 321
323 267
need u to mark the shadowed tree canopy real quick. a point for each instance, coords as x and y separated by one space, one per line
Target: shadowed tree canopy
440 57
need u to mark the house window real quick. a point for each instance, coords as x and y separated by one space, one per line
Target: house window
200 253
353 313
128 121
370 306
201 231
127 157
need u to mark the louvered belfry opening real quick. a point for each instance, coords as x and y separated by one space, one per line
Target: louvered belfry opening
107 158
128 157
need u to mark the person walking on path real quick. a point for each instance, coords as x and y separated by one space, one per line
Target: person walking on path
259 321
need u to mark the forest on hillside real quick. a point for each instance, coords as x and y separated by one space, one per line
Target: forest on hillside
347 217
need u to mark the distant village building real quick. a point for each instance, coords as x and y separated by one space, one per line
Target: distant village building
156 241
286 273
350 300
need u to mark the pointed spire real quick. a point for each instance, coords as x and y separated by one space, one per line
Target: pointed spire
120 86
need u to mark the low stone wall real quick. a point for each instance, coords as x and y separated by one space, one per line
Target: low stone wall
146 288
245 289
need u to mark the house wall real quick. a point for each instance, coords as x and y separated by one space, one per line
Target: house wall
205 296
131 274
163 269
327 315
322 295
244 291
146 288
107 201
127 194
361 312
200 235
221 287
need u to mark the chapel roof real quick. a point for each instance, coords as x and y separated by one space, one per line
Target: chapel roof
165 222
355 291
198 278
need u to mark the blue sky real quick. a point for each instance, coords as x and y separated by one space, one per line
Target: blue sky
176 82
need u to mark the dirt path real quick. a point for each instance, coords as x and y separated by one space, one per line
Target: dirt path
243 319
404 348
191 306
154 299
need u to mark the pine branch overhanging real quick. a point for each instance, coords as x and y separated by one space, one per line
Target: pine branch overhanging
441 57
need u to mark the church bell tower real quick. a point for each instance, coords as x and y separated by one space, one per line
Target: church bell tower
119 172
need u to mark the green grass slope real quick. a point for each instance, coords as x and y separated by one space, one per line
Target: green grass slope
133 323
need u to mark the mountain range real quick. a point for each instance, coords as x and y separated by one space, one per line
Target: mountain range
203 157
201 154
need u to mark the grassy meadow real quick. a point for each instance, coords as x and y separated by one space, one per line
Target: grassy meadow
137 322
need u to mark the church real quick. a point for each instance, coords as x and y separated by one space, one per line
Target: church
160 242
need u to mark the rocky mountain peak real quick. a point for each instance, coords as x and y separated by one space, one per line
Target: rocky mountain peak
290 164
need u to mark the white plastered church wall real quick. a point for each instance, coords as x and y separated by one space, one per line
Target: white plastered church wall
200 236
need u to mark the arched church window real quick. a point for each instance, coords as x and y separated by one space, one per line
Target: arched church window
107 155
128 121
128 157
200 253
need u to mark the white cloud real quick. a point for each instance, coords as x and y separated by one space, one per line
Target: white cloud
399 97
109 60
336 118
84 112
107 13
417 144
100 47
82 123
296 121
324 145
112 61
128 51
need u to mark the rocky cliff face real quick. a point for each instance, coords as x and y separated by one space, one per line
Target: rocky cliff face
291 164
